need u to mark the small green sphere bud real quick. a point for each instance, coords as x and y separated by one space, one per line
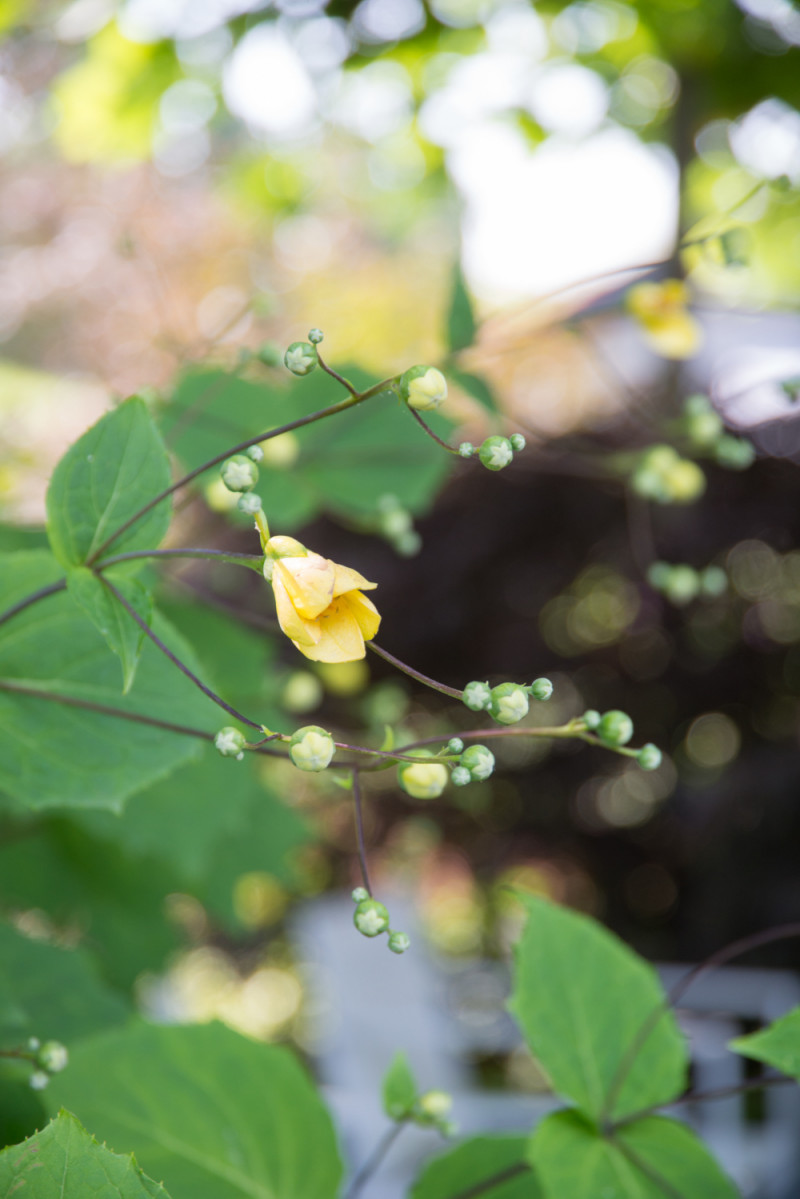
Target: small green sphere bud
684 482
399 942
52 1057
683 585
436 1104
34 1044
591 718
269 354
649 757
734 453
517 442
371 918
466 449
315 336
359 894
703 428
541 689
479 761
249 503
455 745
39 1080
239 473
230 743
311 748
460 776
255 453
509 703
477 696
658 575
495 453
615 728
423 388
713 581
423 780
300 358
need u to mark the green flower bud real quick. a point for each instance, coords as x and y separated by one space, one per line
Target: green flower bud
311 748
395 521
315 336
399 942
239 473
615 728
269 354
517 442
249 503
495 453
658 575
52 1057
591 718
541 689
300 358
477 696
423 780
703 427
423 388
460 776
435 1104
455 745
685 482
734 453
466 449
683 585
649 757
509 703
255 453
33 1044
230 743
39 1080
358 894
371 918
478 761
713 581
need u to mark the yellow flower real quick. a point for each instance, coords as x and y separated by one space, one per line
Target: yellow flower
665 322
320 605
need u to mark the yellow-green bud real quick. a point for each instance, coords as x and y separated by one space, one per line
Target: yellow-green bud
239 473
734 453
478 761
517 442
39 1080
541 689
615 728
685 482
591 718
649 757
423 780
509 703
477 696
300 358
315 336
713 581
358 894
459 776
250 503
52 1057
371 918
423 388
495 453
399 942
466 449
230 743
311 748
436 1104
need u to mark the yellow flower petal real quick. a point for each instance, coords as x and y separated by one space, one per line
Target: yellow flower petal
341 639
301 632
365 613
346 579
308 581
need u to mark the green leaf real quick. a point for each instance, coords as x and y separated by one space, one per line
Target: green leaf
52 755
476 1161
654 1158
778 1045
117 627
216 1115
64 1162
582 998
102 480
21 1112
460 318
51 993
474 385
399 1088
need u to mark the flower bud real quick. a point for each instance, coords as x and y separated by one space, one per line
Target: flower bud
399 942
255 453
459 776
300 358
466 449
358 894
455 745
734 453
423 388
34 1044
517 442
615 728
713 581
495 453
591 718
649 757
541 689
52 1057
250 503
683 585
477 696
239 473
509 703
269 353
371 918
702 422
39 1080
311 748
685 482
423 780
478 761
315 336
230 743
436 1104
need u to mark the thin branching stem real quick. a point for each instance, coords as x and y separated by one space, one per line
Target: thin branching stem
359 821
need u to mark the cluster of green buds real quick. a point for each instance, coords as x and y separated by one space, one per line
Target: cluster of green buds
230 743
681 583
49 1058
614 729
396 524
508 703
423 388
311 748
371 918
495 452
705 431
663 476
474 765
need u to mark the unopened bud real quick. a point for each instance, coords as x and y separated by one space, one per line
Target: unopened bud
311 748
423 388
734 453
399 942
230 743
541 689
477 696
615 728
591 718
239 473
455 745
517 442
436 1104
459 776
649 757
300 358
52 1057
315 336
495 453
250 503
255 453
466 449
39 1080
358 894
509 703
423 780
478 761
371 918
